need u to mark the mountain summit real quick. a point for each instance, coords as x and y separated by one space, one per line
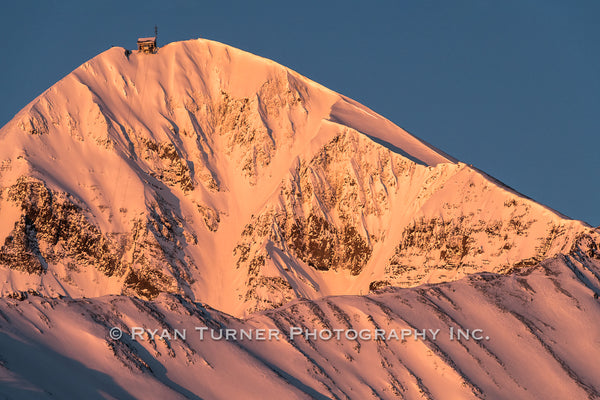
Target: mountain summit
211 173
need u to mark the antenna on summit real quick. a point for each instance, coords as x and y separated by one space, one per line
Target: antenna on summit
156 33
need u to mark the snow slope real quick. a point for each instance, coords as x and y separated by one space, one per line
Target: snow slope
542 328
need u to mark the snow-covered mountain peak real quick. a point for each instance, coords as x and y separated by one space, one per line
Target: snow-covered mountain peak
224 177
188 188
145 92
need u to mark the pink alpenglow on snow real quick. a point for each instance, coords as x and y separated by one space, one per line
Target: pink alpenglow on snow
199 186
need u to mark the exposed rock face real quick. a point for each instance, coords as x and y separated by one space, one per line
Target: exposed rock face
52 228
457 243
328 201
158 263
167 165
436 244
21 249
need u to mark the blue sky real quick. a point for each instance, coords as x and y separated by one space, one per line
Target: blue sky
512 87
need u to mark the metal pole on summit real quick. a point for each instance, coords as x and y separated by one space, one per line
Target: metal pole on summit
156 34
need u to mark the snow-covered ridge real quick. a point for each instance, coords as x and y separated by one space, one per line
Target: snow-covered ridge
541 324
224 177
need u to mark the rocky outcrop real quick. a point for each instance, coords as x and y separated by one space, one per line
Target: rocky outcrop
158 262
166 164
52 228
455 247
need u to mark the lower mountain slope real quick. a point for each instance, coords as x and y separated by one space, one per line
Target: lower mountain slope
541 324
